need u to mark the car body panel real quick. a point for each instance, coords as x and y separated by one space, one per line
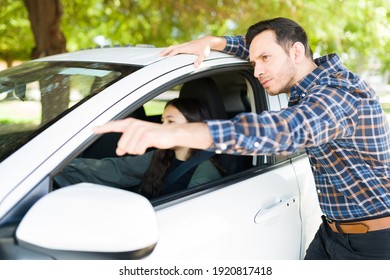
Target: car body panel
223 221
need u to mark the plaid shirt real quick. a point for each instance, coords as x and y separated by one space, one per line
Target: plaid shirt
336 118
236 46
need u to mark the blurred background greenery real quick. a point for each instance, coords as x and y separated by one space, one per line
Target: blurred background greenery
356 29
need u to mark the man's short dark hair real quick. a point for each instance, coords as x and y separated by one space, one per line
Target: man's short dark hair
286 30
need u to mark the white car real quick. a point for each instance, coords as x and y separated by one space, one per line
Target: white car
265 208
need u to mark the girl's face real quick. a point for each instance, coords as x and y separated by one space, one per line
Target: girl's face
172 115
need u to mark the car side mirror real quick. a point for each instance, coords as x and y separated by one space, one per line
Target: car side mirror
89 221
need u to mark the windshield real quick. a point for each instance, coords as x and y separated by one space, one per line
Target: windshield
35 93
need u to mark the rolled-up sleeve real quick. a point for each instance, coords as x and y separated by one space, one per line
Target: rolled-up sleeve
280 133
250 133
237 46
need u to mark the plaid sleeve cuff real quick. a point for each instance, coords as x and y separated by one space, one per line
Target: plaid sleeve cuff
222 133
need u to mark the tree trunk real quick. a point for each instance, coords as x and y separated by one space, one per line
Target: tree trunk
45 18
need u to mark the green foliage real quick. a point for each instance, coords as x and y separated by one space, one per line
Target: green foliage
356 29
155 22
16 37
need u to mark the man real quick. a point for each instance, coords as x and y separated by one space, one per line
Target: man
332 114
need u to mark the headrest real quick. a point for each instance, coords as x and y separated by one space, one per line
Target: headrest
206 91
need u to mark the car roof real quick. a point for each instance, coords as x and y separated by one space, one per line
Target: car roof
141 56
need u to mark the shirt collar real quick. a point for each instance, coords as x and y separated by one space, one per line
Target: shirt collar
327 64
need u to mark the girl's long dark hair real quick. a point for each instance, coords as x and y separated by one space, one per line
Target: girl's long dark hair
153 183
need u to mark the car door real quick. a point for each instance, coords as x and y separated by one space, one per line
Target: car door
256 217
253 214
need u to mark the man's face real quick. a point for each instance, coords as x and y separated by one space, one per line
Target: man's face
273 67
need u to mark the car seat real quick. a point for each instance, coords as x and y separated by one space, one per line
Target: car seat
206 90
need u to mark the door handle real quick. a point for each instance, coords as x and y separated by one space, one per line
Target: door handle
266 214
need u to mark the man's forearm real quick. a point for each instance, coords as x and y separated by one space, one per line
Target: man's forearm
138 136
192 135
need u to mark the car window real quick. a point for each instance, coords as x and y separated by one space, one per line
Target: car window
28 92
156 105
224 95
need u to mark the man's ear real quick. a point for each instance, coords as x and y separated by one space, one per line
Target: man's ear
297 52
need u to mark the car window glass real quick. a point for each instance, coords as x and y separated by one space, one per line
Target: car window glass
156 106
35 93
224 95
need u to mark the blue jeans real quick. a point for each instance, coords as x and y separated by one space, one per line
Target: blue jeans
328 245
